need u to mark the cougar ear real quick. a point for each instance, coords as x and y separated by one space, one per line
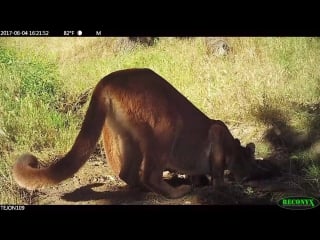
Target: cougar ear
237 141
251 147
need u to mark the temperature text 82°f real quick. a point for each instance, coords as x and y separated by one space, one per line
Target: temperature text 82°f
68 33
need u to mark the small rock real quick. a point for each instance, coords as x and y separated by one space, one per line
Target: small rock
111 178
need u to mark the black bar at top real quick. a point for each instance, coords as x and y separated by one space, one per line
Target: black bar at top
173 29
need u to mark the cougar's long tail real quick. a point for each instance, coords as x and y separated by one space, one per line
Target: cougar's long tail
26 171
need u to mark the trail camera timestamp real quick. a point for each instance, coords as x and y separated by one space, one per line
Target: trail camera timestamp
24 33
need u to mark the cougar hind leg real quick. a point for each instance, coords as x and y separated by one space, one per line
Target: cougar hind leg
111 144
131 159
123 154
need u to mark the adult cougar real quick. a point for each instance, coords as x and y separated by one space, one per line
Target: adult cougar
147 126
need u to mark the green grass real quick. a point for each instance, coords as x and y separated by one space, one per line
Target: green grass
264 85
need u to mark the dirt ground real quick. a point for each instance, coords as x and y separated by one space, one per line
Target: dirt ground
95 184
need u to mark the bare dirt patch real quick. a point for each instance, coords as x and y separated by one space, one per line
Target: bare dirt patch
95 184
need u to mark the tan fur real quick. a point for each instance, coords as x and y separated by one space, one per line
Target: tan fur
147 126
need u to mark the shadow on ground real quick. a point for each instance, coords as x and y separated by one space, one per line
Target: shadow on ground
288 143
120 196
284 139
231 194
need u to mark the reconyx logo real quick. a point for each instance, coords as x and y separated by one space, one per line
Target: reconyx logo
298 203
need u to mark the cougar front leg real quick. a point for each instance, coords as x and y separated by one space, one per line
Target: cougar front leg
217 177
217 164
199 180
